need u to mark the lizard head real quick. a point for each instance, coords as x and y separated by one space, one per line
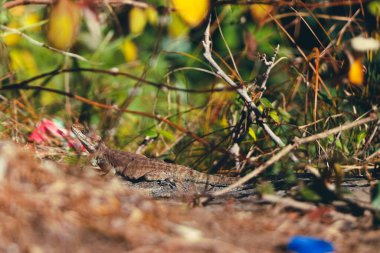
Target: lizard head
89 139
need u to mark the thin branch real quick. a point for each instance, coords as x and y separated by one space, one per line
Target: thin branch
241 90
325 134
346 26
289 202
348 168
369 140
321 4
373 155
306 207
228 48
307 14
12 4
320 120
286 150
40 44
113 72
191 68
316 87
303 54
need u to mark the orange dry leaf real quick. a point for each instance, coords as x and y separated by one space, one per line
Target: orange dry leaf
259 12
356 74
64 23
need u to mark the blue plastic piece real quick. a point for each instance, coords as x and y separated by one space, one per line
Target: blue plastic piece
306 244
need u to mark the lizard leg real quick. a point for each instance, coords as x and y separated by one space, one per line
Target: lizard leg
104 165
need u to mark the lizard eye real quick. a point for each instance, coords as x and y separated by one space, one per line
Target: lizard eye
85 131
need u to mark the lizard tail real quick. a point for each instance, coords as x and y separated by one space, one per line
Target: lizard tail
220 180
199 177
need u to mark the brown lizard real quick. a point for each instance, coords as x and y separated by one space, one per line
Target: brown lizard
138 168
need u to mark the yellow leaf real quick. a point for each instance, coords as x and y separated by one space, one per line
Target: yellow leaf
252 133
152 15
224 121
23 61
356 74
64 23
259 12
30 19
137 21
16 60
192 12
12 39
177 27
17 11
48 98
129 50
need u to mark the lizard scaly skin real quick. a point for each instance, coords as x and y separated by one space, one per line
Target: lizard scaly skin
139 168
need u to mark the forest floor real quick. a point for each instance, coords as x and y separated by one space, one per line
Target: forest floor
48 206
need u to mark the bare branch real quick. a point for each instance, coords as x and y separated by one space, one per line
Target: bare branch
270 66
256 115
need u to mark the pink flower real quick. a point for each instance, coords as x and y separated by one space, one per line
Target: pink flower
51 131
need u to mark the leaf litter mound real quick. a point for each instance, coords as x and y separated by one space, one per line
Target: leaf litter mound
50 207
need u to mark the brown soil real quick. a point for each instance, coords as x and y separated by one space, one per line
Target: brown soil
49 207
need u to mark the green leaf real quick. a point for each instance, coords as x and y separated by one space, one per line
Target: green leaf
285 116
361 136
276 169
309 195
274 116
152 133
374 8
331 138
338 144
325 98
266 188
4 17
266 103
167 135
252 134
